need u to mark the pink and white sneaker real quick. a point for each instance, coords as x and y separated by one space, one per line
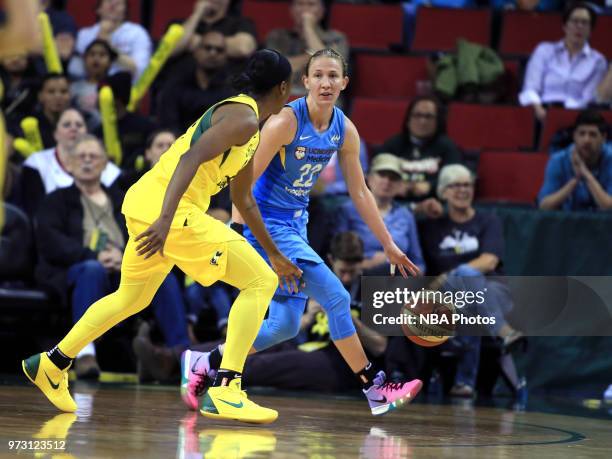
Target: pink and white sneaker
196 377
386 396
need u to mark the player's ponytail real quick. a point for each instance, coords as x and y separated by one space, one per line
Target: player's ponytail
265 69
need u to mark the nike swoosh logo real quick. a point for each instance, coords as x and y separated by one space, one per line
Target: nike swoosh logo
55 386
193 367
382 400
304 137
235 405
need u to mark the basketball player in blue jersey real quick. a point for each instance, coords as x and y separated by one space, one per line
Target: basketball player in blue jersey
295 147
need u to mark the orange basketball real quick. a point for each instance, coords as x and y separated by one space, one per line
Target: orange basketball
428 323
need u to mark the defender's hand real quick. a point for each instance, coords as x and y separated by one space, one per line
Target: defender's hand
153 239
288 273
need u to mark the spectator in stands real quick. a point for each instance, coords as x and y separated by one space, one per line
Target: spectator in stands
385 181
53 98
580 176
187 95
424 149
64 30
81 234
209 15
315 365
566 72
47 170
157 144
305 38
465 248
134 129
59 18
604 90
20 79
97 59
130 41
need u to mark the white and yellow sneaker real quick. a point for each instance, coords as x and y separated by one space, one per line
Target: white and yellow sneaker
52 381
231 402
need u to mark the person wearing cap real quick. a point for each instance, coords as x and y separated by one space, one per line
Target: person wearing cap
385 182
98 58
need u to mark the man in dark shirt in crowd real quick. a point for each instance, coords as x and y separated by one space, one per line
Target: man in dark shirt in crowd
209 15
188 95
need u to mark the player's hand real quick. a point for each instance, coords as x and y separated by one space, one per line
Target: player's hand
288 274
153 239
398 258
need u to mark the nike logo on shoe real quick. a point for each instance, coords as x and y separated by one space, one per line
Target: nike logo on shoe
53 385
382 400
235 405
193 367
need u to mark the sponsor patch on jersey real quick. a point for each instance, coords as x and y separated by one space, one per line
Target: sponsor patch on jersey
300 153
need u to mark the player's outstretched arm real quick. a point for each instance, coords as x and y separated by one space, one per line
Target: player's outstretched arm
365 202
242 198
232 125
278 131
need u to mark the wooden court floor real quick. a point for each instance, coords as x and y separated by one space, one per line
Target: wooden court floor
151 422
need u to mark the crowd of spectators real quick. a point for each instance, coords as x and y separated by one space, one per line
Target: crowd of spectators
72 192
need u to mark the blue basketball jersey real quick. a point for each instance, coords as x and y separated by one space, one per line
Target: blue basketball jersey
286 183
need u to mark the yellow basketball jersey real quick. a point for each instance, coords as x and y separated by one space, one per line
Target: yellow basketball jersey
144 199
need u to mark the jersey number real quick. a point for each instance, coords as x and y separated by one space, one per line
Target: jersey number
308 171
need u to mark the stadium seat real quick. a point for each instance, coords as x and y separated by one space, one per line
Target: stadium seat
514 177
378 119
267 16
479 127
368 26
601 39
437 29
84 11
165 11
522 31
387 76
559 118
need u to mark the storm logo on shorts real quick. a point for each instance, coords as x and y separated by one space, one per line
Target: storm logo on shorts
300 153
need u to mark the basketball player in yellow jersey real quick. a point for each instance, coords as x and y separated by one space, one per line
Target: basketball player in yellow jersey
19 34
167 224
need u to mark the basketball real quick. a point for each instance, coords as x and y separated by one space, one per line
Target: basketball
428 323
